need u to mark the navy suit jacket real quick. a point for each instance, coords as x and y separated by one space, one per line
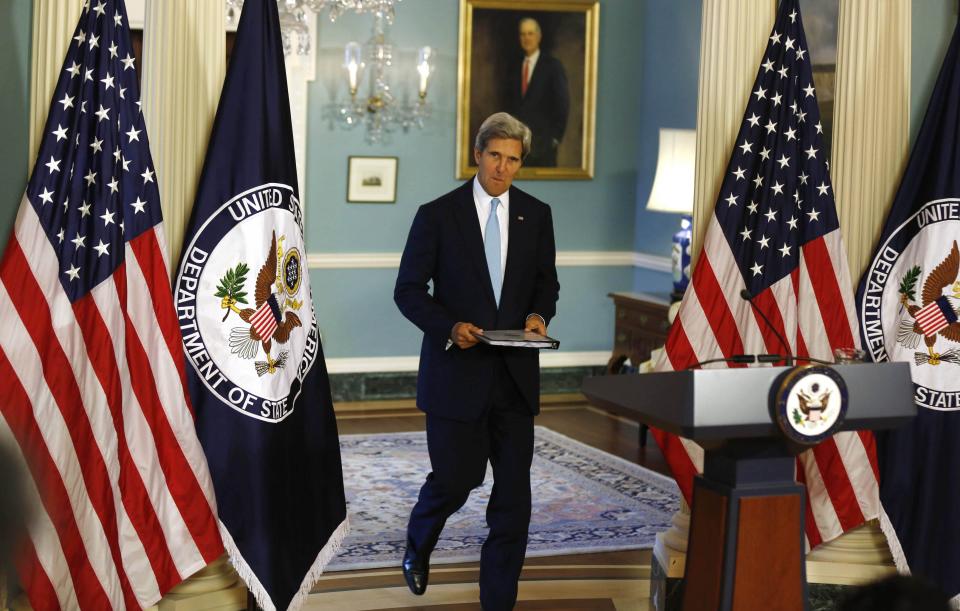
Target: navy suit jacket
445 247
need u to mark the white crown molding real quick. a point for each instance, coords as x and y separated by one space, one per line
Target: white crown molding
652 262
353 260
565 258
382 364
594 258
136 12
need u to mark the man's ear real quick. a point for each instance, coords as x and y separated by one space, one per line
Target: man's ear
476 155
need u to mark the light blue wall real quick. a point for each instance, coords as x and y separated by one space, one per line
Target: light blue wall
643 85
14 107
369 325
355 307
669 67
669 63
932 26
589 215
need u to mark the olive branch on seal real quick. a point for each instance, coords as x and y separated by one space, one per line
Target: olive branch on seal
908 284
231 287
797 418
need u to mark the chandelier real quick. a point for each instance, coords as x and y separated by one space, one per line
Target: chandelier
294 14
378 110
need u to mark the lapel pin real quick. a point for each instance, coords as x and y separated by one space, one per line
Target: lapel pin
519 218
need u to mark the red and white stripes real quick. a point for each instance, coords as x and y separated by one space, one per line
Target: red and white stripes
931 319
263 320
97 404
813 310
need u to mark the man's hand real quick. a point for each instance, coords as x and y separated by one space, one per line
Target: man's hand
535 324
464 335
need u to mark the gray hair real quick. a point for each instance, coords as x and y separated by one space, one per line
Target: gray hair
506 126
533 21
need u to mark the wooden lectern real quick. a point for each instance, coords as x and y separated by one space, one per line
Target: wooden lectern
746 548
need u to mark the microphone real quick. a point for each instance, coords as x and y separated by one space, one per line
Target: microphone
757 358
736 358
748 297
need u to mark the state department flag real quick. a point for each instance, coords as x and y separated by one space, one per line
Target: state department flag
255 363
908 301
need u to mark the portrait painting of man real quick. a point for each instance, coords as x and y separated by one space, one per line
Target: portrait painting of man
537 61
538 94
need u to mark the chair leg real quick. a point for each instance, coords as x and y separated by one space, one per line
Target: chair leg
643 435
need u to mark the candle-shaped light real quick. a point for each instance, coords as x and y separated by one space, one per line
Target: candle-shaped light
353 64
425 58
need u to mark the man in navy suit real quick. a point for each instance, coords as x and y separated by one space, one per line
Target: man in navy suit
539 96
488 248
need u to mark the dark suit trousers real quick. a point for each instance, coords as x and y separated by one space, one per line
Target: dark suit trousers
458 455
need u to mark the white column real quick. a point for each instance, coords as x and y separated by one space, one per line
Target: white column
184 61
215 587
670 547
53 24
871 139
733 37
301 71
871 133
858 556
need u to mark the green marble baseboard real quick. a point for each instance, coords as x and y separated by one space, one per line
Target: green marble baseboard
378 386
666 593
826 596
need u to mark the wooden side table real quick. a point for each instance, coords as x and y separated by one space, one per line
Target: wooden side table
640 326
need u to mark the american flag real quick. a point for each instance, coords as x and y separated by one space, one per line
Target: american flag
90 351
775 232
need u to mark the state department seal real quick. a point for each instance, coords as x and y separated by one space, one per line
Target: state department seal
909 306
809 403
244 309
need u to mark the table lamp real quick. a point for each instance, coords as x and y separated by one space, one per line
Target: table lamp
673 192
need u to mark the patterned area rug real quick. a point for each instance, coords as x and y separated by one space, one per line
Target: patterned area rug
584 500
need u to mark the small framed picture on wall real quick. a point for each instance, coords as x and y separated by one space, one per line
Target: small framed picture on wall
372 180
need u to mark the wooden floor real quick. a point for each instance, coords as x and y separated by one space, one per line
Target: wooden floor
613 580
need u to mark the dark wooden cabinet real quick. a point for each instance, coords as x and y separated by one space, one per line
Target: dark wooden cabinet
640 325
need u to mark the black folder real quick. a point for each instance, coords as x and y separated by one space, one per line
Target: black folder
518 338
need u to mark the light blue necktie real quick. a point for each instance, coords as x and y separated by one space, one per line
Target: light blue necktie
491 246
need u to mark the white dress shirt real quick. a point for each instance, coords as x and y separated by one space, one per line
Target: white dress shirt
482 200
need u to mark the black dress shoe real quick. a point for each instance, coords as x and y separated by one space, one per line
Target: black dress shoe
416 572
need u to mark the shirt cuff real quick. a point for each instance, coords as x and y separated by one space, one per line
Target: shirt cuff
449 343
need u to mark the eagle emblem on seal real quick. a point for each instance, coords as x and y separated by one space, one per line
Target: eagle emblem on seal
273 317
813 403
935 316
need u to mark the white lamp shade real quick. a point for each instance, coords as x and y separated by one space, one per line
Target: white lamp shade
673 184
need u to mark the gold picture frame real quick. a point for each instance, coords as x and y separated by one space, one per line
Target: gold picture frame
489 80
